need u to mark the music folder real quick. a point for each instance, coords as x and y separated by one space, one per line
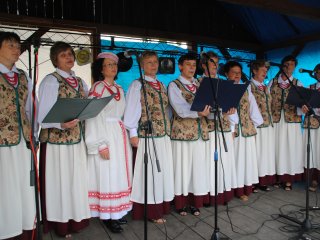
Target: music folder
67 109
302 95
228 96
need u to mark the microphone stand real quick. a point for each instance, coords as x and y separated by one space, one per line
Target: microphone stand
306 223
33 173
148 129
216 111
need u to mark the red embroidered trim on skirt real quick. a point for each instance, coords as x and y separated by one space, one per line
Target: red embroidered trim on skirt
103 196
109 209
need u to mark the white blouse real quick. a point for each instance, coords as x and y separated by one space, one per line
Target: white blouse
48 95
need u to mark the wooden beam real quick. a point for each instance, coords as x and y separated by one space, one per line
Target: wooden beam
285 7
125 31
292 42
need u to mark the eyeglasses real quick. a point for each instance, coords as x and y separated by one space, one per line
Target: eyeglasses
110 65
235 73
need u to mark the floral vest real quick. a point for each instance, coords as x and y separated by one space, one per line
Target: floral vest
264 102
245 125
188 129
13 118
157 102
224 121
279 97
67 136
314 123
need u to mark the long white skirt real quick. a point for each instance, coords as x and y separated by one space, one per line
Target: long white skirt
289 147
160 184
17 201
266 151
110 181
66 183
190 167
227 177
246 160
314 149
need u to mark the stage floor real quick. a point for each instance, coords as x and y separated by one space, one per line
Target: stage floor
252 220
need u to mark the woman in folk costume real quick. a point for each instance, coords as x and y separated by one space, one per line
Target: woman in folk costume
160 184
314 172
63 156
244 142
188 134
286 121
109 150
17 201
265 132
227 179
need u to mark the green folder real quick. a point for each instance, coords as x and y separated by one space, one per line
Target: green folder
67 109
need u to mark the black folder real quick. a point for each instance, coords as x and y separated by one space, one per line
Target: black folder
229 94
67 109
301 95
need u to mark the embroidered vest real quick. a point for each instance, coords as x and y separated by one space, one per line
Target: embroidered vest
245 125
157 102
67 136
279 97
264 102
314 123
189 129
13 118
224 121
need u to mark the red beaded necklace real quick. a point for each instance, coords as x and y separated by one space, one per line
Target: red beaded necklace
13 81
108 87
156 85
192 88
73 82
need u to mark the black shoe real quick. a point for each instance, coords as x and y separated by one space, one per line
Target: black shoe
122 221
113 226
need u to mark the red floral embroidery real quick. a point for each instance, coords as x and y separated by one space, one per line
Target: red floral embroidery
105 196
108 87
110 209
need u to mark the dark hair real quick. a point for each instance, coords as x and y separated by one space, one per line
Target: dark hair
230 65
57 48
188 56
9 36
317 67
146 54
211 54
289 58
96 70
256 64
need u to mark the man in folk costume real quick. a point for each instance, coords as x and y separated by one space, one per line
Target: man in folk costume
17 201
314 172
188 134
245 143
160 184
286 121
265 132
227 180
63 157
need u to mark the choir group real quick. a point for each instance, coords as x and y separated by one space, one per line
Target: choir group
89 169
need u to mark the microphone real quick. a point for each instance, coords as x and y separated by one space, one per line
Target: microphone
301 70
204 55
130 53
